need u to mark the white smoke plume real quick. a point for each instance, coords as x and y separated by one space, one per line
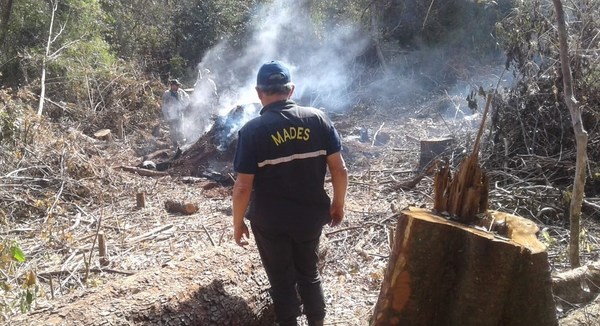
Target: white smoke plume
321 61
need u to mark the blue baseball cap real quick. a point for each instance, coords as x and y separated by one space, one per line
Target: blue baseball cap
273 73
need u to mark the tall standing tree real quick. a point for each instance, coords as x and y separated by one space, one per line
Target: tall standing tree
581 136
6 12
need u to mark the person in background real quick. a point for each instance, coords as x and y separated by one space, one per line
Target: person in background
207 89
281 159
174 103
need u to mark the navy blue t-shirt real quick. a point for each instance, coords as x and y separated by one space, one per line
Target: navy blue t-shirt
286 149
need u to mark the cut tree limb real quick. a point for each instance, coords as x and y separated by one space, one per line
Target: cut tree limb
143 172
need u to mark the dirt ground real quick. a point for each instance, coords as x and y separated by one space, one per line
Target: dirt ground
356 251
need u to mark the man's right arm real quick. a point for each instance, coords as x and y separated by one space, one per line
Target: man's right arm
242 191
339 179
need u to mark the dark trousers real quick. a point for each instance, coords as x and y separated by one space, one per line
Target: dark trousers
290 260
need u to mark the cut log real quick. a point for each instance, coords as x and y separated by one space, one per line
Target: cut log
182 208
217 286
445 273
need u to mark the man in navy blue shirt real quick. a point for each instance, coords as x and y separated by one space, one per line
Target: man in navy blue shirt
281 159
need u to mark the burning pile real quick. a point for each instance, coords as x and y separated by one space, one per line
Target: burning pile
212 154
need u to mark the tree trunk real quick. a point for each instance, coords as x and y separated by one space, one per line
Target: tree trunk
445 273
44 61
376 12
6 12
219 286
581 137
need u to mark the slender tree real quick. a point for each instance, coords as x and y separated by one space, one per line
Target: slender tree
581 136
45 60
6 12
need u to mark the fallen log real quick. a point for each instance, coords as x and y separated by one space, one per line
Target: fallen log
181 208
218 286
577 286
446 273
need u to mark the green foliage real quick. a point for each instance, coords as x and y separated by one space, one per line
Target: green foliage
139 28
7 126
177 66
454 23
11 296
200 24
17 254
15 126
530 39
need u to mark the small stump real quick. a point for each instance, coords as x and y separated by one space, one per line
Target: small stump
432 149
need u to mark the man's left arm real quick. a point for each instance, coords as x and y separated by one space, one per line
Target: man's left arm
185 98
242 190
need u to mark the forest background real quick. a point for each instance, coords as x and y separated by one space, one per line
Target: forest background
101 59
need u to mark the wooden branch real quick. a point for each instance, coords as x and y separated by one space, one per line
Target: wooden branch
91 270
591 205
143 172
150 233
209 236
376 134
411 184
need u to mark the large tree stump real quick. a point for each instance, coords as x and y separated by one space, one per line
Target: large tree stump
445 273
